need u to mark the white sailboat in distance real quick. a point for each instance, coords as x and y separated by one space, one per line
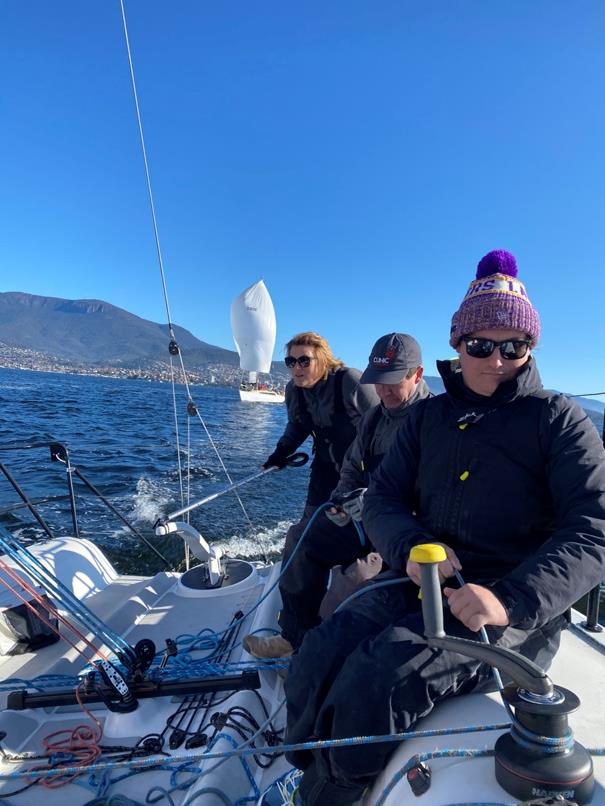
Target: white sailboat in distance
253 327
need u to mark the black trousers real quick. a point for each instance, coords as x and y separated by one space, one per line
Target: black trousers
368 671
304 582
323 478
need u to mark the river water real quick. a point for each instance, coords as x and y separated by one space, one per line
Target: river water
121 436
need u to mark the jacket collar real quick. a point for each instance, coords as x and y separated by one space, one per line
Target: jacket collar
527 382
422 390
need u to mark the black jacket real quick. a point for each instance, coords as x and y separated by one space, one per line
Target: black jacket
317 409
330 412
514 483
375 434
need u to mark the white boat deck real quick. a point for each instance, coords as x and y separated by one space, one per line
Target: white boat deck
158 608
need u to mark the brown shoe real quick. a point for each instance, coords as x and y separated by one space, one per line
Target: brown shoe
276 646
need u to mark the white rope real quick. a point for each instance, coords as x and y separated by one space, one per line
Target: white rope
161 262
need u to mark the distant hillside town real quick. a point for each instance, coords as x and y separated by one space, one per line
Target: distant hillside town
219 374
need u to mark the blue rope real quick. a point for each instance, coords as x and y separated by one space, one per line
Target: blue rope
113 800
547 744
374 586
206 640
360 532
245 765
144 763
43 682
211 790
186 669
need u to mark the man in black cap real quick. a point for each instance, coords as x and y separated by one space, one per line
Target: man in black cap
395 369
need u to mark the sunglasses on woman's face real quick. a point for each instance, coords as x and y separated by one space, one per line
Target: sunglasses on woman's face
302 361
510 349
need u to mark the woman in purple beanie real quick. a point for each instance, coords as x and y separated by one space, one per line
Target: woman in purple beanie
510 479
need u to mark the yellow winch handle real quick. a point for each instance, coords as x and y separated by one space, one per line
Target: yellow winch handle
428 553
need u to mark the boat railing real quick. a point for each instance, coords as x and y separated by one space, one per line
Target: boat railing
592 610
594 596
30 504
60 453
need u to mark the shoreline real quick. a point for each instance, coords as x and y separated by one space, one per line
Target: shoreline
159 375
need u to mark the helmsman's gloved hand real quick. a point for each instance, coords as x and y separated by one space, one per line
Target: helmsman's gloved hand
277 459
337 516
354 506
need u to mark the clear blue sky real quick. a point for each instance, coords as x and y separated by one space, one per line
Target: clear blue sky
360 157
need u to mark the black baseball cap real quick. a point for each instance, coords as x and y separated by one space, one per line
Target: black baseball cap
391 358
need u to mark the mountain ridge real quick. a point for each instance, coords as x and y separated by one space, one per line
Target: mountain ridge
94 331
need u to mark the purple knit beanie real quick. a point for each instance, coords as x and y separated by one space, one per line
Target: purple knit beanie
496 300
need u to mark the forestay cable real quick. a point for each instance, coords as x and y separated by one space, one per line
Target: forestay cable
160 259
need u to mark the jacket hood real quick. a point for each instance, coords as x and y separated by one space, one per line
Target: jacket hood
527 382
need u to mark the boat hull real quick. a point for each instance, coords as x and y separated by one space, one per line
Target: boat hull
261 396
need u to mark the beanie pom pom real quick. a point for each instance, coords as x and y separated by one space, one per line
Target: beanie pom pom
497 262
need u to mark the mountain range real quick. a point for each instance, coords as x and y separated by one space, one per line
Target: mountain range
90 331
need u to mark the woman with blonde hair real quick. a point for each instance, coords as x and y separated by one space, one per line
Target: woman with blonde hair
326 401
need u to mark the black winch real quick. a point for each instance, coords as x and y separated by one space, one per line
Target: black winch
538 758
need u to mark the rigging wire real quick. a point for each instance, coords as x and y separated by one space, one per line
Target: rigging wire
147 173
178 453
176 429
160 258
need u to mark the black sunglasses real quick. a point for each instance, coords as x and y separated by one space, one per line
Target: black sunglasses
510 349
302 361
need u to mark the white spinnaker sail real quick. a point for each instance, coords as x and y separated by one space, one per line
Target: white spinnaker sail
253 327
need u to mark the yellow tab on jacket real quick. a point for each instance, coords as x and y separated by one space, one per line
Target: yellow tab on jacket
462 426
464 476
